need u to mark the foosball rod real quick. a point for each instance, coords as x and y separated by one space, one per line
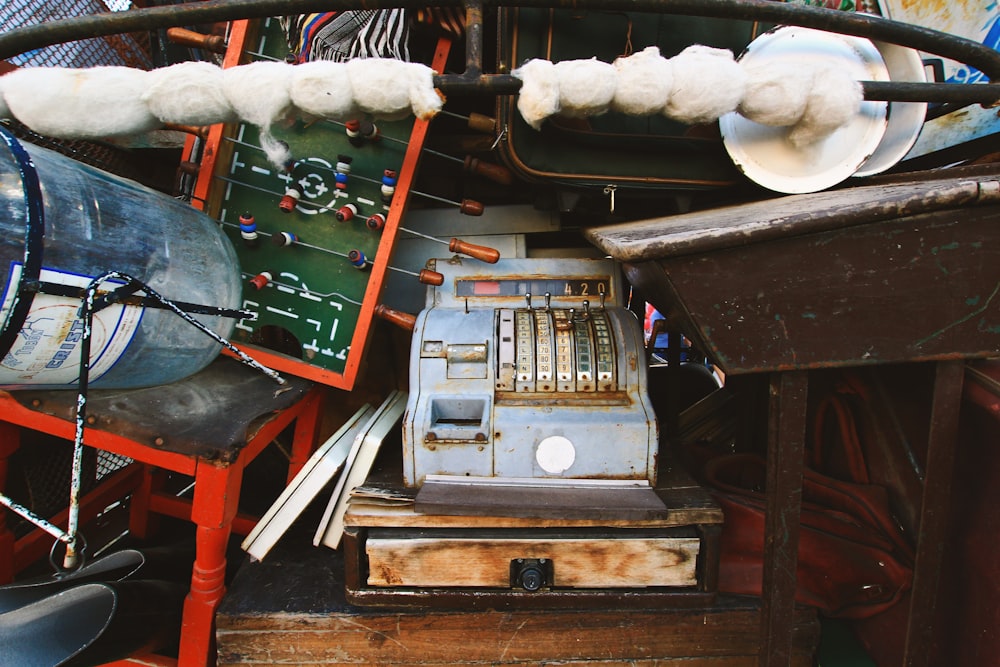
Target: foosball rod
482 253
475 121
356 258
494 172
466 206
403 320
198 40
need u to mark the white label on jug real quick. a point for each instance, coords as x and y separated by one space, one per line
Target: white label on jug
47 348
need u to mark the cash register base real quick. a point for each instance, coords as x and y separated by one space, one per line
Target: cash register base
397 556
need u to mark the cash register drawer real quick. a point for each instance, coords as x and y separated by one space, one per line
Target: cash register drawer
533 560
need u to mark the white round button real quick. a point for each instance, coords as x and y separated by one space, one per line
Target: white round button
555 454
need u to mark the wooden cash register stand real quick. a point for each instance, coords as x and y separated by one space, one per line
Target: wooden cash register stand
312 605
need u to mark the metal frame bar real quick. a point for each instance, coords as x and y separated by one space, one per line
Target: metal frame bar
474 81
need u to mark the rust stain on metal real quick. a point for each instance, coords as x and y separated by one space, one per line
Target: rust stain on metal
938 13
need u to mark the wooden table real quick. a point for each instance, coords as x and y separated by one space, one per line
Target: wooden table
900 272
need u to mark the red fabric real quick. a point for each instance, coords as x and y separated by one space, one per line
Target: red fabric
967 623
852 561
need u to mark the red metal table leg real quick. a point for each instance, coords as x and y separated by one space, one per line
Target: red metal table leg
216 497
10 440
139 512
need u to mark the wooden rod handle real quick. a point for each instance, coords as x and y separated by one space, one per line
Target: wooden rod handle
188 167
185 37
470 207
399 318
196 130
482 123
488 255
495 172
429 277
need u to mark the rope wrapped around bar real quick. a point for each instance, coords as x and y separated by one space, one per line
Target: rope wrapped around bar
699 85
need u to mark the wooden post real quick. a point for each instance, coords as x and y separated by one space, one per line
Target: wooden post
786 432
943 432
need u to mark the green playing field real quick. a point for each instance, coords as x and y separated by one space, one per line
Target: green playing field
315 292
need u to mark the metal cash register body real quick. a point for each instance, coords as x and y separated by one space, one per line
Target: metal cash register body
528 368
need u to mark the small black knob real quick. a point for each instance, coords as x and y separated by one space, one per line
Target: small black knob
532 578
530 574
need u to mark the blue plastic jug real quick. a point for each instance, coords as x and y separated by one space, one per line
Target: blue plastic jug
64 222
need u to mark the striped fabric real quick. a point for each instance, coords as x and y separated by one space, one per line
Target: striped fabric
341 36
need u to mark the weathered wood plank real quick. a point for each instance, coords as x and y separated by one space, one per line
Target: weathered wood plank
770 219
934 511
909 289
494 497
290 609
785 446
364 514
702 637
577 563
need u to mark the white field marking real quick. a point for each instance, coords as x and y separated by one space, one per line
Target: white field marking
279 311
236 163
246 303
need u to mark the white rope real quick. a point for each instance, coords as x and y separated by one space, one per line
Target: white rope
100 102
698 85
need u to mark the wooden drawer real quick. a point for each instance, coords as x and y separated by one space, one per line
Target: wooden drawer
601 560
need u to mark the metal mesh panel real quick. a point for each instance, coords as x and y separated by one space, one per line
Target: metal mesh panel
129 50
124 49
102 156
40 471
108 463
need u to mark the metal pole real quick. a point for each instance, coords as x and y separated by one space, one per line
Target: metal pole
473 81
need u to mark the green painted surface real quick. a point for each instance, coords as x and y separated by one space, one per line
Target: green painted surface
316 292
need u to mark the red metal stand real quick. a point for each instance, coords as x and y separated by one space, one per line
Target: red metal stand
217 469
